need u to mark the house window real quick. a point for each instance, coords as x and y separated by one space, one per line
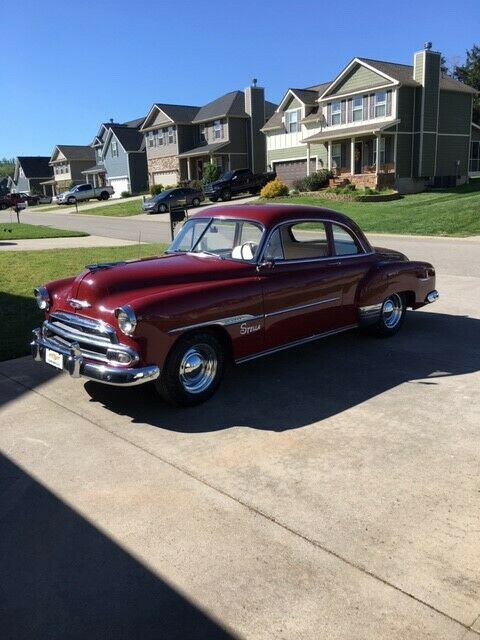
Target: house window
114 149
171 135
336 155
382 151
217 129
99 155
380 104
204 133
475 156
292 121
161 137
336 112
357 109
151 140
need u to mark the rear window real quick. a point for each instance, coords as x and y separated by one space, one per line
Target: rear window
345 244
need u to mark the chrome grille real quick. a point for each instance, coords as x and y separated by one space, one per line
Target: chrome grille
93 337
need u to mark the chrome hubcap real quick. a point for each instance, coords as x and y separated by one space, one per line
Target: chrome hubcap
198 368
392 311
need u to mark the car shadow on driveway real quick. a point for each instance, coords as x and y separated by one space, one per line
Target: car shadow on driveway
307 384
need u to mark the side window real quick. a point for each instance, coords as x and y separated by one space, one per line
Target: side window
304 241
345 244
274 250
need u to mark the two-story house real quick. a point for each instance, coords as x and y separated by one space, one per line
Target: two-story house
125 160
377 124
30 173
97 175
181 140
68 162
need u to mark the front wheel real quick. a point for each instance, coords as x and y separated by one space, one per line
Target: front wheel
71 200
162 208
192 371
226 195
196 202
392 316
105 195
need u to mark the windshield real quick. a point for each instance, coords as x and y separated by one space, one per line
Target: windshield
233 239
228 175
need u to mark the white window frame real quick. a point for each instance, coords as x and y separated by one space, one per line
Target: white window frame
336 112
357 109
382 151
114 148
337 155
161 137
171 135
151 139
379 104
293 125
217 129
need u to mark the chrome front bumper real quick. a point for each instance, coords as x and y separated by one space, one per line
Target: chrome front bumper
433 296
76 365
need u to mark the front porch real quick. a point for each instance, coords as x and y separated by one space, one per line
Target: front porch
193 163
96 176
365 158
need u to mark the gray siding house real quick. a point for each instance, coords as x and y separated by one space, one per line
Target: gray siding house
181 140
124 159
377 124
30 173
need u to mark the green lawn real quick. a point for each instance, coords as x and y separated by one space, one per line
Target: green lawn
22 271
447 213
127 207
22 231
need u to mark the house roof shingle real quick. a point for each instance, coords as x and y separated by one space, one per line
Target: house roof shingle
77 152
274 122
230 104
179 113
35 166
130 139
205 149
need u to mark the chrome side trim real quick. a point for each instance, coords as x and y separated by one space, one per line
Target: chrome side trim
78 304
370 313
223 322
433 296
300 307
296 343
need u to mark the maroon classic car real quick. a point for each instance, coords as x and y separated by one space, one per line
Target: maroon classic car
237 283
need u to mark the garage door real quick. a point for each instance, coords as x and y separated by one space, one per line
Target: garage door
287 172
119 185
165 178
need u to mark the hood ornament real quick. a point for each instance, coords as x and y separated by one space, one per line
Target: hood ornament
79 304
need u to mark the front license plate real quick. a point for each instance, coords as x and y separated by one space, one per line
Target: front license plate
54 358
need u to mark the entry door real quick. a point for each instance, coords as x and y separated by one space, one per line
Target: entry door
302 286
358 157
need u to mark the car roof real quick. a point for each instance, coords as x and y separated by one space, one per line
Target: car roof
272 214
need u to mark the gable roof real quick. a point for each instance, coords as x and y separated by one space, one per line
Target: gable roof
75 151
176 113
130 139
308 96
35 166
230 104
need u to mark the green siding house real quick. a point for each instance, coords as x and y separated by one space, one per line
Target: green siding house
379 124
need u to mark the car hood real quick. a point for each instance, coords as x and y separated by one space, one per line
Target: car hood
217 183
104 287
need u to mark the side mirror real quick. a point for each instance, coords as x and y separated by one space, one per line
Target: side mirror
267 263
234 178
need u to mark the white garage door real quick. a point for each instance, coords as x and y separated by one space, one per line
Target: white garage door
165 178
119 185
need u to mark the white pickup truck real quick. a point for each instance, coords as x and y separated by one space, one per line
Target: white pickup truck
84 192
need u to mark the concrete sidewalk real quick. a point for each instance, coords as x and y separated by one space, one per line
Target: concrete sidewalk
42 244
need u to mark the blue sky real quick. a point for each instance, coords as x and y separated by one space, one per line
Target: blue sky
74 65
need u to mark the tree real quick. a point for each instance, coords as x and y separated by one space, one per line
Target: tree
444 69
469 73
210 173
7 167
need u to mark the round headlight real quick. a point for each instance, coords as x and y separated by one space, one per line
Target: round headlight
126 320
42 297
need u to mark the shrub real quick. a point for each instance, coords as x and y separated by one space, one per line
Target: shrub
317 180
294 192
126 194
274 189
211 173
156 189
369 191
299 184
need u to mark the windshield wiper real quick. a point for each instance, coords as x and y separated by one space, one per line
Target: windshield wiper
207 253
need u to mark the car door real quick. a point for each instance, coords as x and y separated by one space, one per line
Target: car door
302 286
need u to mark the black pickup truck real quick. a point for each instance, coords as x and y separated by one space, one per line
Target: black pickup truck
238 181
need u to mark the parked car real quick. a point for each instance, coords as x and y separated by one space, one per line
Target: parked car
84 192
236 182
236 283
173 198
11 199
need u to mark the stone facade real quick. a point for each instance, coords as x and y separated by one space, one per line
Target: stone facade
170 163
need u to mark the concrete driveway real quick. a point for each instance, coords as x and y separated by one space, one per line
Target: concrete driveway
331 491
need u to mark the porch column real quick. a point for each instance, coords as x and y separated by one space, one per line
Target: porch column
308 158
377 164
352 156
329 157
395 155
189 169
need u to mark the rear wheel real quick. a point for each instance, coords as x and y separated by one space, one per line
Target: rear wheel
71 200
196 202
162 208
226 195
392 316
193 370
105 195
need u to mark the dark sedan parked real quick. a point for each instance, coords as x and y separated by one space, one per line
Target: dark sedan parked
173 198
